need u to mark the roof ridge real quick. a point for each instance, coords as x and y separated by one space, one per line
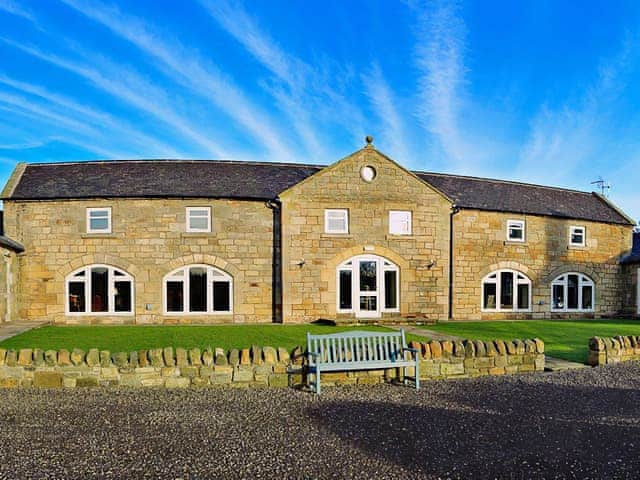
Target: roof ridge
498 180
178 160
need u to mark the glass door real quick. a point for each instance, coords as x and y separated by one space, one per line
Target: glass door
368 304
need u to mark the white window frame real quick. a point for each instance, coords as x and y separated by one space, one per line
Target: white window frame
572 230
516 281
111 290
213 274
188 212
98 209
402 218
516 223
583 280
351 265
331 211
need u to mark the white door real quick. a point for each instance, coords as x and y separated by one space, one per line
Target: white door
367 301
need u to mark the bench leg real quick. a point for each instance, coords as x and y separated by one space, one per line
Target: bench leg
417 370
318 381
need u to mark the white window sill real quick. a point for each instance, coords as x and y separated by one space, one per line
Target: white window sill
196 234
336 235
400 236
516 243
576 247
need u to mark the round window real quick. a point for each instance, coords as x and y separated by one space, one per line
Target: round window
368 173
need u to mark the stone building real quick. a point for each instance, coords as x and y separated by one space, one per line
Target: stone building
631 272
164 241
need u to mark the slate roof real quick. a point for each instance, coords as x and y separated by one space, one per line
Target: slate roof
523 198
634 256
264 181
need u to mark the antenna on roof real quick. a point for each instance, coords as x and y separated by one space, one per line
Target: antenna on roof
602 185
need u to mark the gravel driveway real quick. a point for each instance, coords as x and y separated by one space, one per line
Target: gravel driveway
577 424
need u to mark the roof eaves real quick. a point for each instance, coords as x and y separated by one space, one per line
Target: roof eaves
614 207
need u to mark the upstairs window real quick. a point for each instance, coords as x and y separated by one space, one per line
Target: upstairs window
515 230
198 219
572 292
336 221
99 220
99 289
577 236
399 222
506 290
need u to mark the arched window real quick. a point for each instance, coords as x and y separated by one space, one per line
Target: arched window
573 292
367 286
99 290
506 290
198 289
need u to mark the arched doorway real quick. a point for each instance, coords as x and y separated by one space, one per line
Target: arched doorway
367 286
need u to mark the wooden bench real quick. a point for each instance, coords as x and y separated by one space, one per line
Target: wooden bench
360 350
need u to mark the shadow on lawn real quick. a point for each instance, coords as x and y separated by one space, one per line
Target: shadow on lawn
530 431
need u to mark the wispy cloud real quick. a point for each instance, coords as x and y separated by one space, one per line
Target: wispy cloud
17 9
146 145
310 95
128 87
440 61
384 105
188 68
563 140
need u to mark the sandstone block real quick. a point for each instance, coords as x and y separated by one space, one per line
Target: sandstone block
130 380
156 357
234 357
500 347
243 374
195 357
199 381
207 357
9 382
189 371
270 355
68 382
105 358
170 371
133 359
64 359
50 358
206 371
490 348
143 359
38 357
221 378
93 357
177 382
520 347
87 381
511 348
220 357
447 348
436 349
425 350
481 351
500 361
497 371
77 356
530 346
25 357
448 369
539 362
283 356
47 379
3 356
278 380
181 357
120 359
256 355
539 345
515 359
469 349
168 357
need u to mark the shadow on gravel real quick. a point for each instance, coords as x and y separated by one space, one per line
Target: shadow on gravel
539 431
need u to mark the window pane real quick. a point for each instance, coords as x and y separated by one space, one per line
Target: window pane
368 276
118 273
221 297
368 303
587 297
558 296
506 290
198 289
572 292
99 224
345 290
76 297
99 289
390 290
489 295
523 296
175 302
98 213
123 296
400 222
199 213
516 231
577 237
198 223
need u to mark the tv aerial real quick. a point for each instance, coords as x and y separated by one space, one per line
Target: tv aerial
602 185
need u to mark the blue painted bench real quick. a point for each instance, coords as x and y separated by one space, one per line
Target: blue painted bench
359 350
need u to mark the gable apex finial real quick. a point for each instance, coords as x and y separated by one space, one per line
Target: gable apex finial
369 140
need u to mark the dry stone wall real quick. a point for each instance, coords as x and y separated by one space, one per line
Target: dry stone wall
250 367
607 350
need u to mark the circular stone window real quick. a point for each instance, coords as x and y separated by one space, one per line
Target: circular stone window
368 173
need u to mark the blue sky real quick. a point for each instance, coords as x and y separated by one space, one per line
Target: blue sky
544 91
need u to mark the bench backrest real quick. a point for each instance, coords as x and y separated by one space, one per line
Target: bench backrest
359 347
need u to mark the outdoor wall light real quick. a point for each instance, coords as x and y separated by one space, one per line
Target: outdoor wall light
301 262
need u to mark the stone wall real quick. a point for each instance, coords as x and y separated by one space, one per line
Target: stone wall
254 367
480 247
9 276
309 290
630 292
606 350
148 240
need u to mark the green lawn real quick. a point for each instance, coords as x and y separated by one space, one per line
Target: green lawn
128 338
563 339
